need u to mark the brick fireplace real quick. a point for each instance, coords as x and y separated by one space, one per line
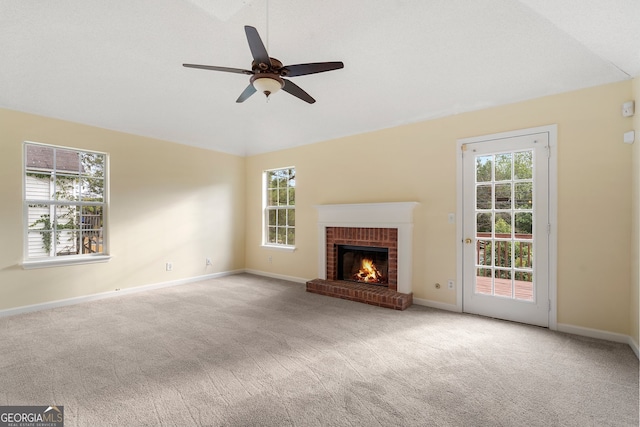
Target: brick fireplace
385 227
363 237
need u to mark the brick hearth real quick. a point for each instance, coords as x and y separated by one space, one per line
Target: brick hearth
361 292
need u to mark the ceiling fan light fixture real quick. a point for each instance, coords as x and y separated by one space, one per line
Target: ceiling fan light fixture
267 72
267 83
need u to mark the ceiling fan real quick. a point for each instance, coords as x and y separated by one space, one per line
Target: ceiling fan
267 73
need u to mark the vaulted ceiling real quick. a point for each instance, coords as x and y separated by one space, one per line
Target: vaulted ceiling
118 64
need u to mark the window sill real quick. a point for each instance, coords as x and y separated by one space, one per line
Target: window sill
280 247
64 261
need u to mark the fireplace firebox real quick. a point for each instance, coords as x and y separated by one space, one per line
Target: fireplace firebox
365 264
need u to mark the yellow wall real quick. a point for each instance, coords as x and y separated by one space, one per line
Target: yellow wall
169 202
635 250
175 203
417 162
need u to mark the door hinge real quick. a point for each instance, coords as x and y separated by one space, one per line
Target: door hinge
548 229
549 306
548 151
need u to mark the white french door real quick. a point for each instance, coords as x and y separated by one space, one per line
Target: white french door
506 227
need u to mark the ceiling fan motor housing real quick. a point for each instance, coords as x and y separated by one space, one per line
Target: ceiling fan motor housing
276 67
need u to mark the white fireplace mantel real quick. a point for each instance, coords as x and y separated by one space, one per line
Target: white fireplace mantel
397 215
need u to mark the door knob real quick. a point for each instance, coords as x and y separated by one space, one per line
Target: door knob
467 241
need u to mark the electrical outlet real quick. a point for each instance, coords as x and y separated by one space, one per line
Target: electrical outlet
450 284
270 260
208 261
169 266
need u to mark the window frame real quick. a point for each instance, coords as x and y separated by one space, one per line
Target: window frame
266 209
30 261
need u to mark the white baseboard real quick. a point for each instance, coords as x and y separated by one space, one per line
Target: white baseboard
569 329
599 334
276 276
634 346
111 294
436 304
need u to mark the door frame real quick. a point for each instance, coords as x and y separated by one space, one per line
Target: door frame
552 132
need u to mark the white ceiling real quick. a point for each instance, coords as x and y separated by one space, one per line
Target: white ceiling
118 64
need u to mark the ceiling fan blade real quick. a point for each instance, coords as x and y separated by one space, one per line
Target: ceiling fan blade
214 68
258 51
250 90
312 68
296 91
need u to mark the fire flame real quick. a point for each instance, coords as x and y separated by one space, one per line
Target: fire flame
368 273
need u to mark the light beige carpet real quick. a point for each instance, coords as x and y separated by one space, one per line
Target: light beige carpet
250 351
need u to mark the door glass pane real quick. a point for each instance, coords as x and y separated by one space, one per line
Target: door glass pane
524 225
483 197
483 224
503 283
503 224
484 282
503 196
523 195
523 254
483 168
483 252
523 165
502 253
524 285
503 167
